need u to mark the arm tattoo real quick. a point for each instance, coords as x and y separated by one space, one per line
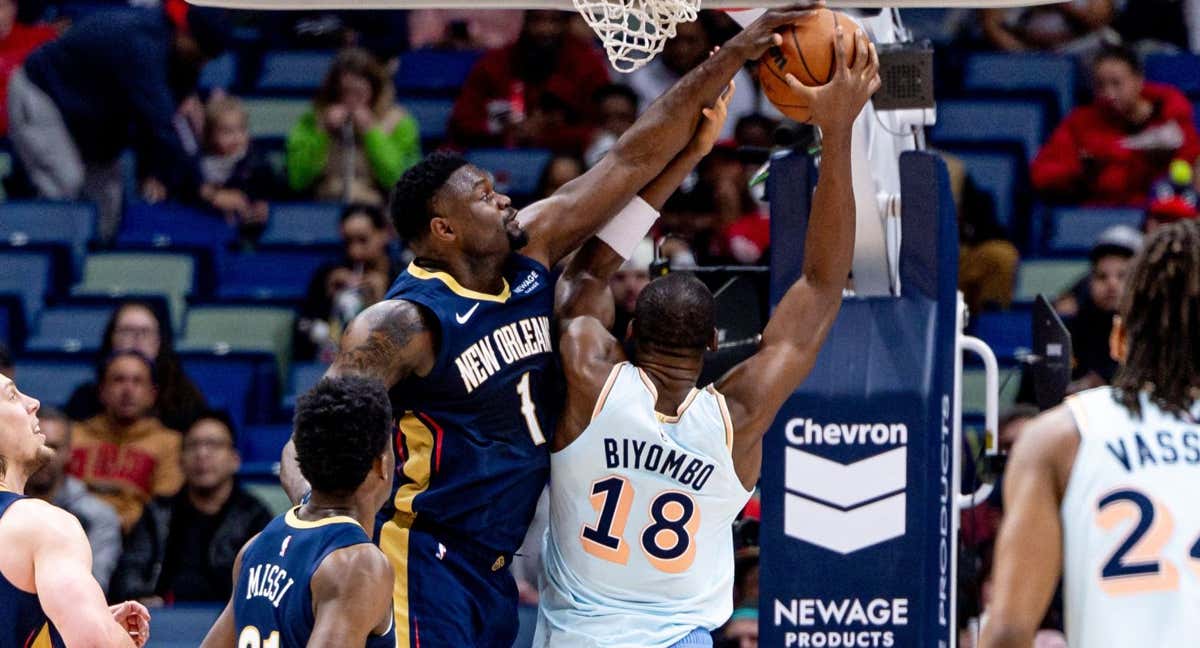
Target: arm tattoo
384 353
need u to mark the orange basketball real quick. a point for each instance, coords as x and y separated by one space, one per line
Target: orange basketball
807 53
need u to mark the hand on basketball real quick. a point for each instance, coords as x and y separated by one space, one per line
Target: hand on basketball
134 618
711 123
761 35
835 105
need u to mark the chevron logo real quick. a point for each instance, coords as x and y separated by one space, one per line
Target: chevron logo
845 507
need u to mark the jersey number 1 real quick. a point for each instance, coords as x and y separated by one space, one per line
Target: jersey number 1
668 541
529 412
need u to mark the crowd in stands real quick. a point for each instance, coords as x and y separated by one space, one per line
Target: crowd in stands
152 471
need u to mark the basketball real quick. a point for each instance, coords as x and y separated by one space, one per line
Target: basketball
807 53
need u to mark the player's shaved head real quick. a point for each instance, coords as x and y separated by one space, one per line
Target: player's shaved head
1160 317
675 312
341 427
411 203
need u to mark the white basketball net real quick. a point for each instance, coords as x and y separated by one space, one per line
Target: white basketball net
634 31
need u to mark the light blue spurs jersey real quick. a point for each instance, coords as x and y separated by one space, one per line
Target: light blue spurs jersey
639 550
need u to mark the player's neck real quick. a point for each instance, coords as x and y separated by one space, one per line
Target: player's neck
14 480
674 378
485 275
321 506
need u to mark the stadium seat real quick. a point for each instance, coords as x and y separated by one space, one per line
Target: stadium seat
221 329
1050 277
123 273
303 224
267 275
516 171
974 390
171 224
432 115
261 445
1043 72
274 117
182 626
52 378
938 25
427 71
242 384
37 221
1179 70
968 120
997 173
303 377
1074 230
26 275
266 488
72 329
220 72
1009 333
293 72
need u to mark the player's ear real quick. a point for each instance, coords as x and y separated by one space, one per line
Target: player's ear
712 341
440 228
1118 342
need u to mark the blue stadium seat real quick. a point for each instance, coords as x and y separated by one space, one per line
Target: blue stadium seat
938 25
968 120
1047 72
1074 230
1007 332
303 224
432 115
998 173
172 225
8 323
220 72
268 275
1179 70
51 378
304 376
428 71
37 221
182 626
242 384
27 275
516 171
261 445
296 72
72 329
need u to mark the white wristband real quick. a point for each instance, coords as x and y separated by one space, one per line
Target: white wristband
629 227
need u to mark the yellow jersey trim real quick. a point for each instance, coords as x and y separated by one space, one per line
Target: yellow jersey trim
418 441
295 522
457 288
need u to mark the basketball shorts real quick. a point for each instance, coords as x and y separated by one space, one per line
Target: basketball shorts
449 591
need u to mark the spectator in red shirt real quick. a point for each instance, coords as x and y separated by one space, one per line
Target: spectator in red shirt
1111 151
536 92
17 40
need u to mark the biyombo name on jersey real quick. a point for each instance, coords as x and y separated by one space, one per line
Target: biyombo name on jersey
806 431
508 344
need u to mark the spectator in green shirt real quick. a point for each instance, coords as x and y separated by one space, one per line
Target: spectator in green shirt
356 141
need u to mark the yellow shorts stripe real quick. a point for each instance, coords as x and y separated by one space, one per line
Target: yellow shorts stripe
393 540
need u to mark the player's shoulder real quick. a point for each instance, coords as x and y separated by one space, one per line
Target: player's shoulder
352 567
1048 442
33 519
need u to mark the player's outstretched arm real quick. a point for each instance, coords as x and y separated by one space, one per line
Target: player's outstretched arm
223 633
758 387
389 341
562 222
1028 558
352 594
70 596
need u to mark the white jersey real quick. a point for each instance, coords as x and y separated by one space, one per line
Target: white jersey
1131 527
639 550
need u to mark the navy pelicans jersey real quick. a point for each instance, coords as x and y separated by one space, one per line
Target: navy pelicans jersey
1131 526
472 434
272 600
21 618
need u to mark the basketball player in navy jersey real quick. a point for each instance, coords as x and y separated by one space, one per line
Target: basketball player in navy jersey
46 584
313 577
464 341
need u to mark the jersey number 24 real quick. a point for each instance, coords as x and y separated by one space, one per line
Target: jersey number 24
668 541
1137 564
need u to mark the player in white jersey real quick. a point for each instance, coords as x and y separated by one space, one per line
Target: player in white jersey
1103 489
647 471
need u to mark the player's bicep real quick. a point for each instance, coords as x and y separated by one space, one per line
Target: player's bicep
67 592
1028 554
388 341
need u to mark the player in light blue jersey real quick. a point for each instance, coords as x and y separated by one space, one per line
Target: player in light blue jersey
313 577
647 471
